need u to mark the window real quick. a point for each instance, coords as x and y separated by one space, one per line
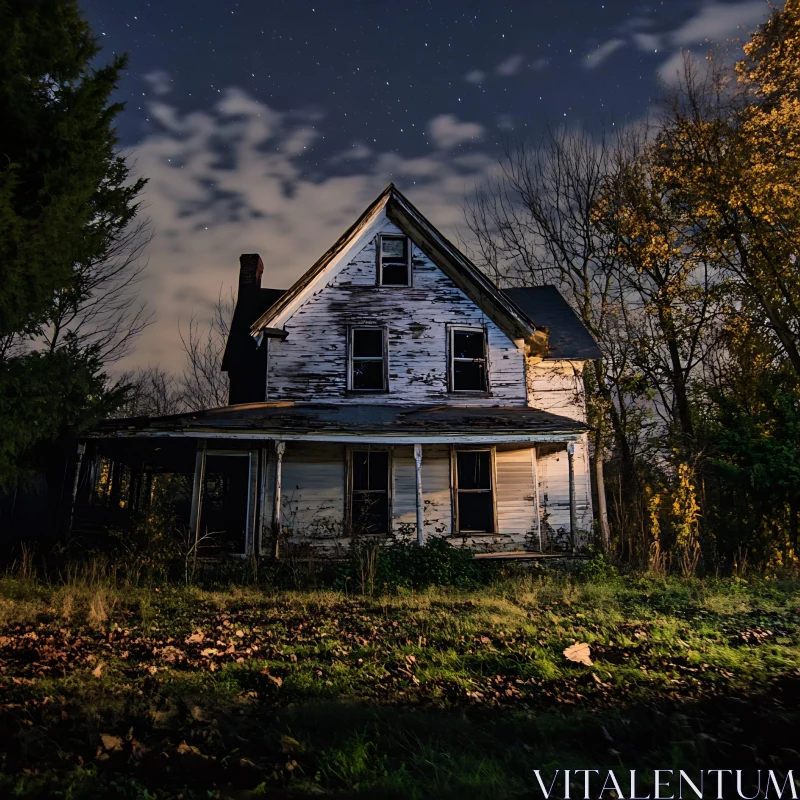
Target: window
474 492
367 360
468 360
369 491
394 261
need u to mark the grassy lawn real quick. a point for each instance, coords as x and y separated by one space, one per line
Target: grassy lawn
112 691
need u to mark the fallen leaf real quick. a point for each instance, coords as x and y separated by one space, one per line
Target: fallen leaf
579 653
98 670
110 742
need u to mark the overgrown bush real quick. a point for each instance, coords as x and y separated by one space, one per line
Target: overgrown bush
407 565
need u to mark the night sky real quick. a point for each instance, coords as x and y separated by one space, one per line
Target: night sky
267 126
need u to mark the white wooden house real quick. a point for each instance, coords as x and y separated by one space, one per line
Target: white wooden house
392 391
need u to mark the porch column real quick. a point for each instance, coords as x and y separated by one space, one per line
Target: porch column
81 451
197 493
418 483
280 449
573 511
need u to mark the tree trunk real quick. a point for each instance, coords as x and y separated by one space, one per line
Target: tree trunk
600 483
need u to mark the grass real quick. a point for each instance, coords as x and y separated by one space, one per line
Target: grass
108 690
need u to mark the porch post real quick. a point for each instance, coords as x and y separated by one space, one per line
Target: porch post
418 482
197 493
573 511
73 499
280 449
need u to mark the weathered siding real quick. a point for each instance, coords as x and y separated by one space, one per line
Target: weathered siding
556 386
312 500
311 364
515 493
553 473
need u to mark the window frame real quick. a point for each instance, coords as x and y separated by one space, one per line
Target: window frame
451 360
409 259
348 489
454 490
351 330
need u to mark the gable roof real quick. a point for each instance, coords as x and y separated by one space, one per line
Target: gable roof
482 291
568 337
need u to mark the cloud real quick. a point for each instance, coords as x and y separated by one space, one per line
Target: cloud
597 56
233 178
539 64
718 22
511 66
475 76
447 131
160 82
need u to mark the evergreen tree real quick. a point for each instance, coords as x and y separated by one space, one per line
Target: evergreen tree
66 197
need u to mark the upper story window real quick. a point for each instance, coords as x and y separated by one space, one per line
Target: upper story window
468 371
394 261
367 368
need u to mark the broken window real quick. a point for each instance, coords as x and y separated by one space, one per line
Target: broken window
367 360
394 262
369 491
474 492
468 360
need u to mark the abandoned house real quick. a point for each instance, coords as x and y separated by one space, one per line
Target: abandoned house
392 391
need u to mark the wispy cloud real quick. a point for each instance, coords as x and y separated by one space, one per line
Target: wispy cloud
233 178
475 76
596 57
447 131
510 66
160 82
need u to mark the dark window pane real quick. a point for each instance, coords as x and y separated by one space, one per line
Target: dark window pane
379 470
370 469
469 376
475 512
368 343
360 463
394 247
395 275
367 374
468 344
474 469
370 512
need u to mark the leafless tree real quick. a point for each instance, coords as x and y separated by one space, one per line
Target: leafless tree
535 224
101 308
203 383
153 392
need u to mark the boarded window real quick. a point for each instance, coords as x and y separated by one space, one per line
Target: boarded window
367 360
394 263
474 491
468 360
226 503
369 491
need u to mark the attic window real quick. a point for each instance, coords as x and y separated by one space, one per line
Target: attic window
394 261
468 371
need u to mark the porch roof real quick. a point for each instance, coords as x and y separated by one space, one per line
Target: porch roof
340 421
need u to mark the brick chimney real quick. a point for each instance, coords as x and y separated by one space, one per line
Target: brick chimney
250 270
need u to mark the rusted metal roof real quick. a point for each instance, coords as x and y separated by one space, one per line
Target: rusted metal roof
353 418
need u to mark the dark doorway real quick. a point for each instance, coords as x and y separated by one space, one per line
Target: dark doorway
226 503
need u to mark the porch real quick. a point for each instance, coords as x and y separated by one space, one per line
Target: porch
270 478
